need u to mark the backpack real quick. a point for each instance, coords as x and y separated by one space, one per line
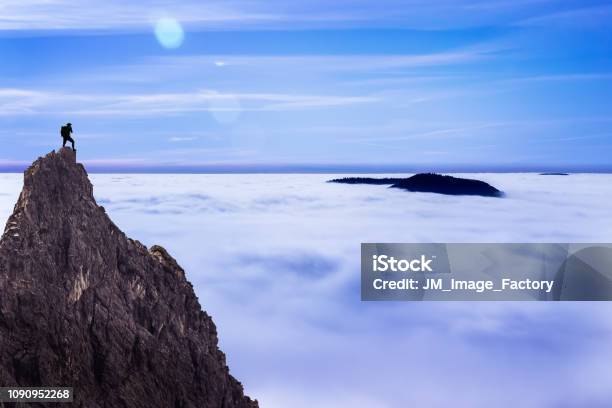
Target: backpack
65 132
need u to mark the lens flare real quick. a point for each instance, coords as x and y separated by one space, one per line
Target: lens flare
169 33
224 108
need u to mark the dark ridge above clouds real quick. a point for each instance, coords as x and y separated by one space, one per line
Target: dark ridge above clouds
430 183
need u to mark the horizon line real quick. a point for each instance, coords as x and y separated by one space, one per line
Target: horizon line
321 168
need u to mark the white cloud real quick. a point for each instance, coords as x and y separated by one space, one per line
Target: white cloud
571 77
357 62
28 102
293 285
277 257
583 17
214 14
327 63
22 101
182 138
290 69
114 14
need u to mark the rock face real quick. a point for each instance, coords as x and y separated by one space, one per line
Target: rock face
83 305
430 183
436 183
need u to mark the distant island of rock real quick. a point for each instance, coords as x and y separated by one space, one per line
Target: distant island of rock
554 174
430 183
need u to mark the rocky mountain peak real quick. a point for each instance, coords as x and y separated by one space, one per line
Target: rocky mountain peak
83 305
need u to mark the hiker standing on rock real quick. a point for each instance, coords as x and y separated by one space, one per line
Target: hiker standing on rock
66 132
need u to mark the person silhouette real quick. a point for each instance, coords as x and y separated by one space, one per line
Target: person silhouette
66 131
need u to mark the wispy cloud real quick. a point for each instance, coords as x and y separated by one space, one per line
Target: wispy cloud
443 133
22 101
325 63
581 17
29 102
563 77
214 14
114 14
504 4
183 138
286 282
418 78
355 62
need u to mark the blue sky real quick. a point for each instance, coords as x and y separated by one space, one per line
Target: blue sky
432 84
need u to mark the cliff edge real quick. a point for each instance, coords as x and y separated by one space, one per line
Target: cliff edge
83 305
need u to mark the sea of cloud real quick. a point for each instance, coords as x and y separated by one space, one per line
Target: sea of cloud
274 258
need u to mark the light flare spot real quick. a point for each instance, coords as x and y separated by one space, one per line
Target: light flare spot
224 108
169 32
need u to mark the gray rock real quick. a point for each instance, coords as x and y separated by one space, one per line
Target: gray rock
83 305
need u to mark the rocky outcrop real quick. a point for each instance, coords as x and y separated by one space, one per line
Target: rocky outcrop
83 305
430 183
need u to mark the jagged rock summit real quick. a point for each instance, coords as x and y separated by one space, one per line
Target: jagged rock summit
83 305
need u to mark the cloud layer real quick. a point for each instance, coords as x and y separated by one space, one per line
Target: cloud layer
275 258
